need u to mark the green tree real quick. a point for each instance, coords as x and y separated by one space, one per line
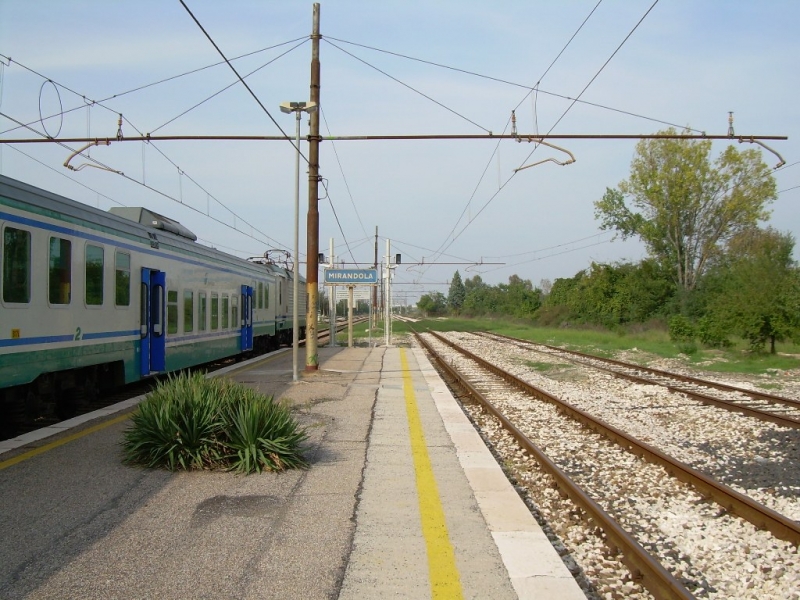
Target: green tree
432 304
610 294
518 298
457 294
683 207
477 297
755 289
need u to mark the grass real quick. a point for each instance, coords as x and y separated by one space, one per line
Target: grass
594 340
189 422
541 367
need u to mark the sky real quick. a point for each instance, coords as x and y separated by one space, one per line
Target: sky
69 69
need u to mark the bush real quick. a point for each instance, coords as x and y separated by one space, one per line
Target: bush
713 333
262 434
681 330
552 316
190 422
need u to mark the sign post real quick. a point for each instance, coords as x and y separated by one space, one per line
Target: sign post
350 316
350 278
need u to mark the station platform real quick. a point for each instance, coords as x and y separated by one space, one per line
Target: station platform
402 499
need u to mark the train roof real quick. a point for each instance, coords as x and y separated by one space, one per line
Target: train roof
136 221
147 217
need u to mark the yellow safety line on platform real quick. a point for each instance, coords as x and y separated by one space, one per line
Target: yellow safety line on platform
445 582
65 440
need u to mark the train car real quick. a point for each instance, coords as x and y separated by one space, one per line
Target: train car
90 300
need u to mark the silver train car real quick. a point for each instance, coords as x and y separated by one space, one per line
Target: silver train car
91 300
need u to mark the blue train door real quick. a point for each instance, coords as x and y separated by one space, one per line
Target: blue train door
153 333
247 318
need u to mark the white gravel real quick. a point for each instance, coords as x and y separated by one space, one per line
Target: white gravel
716 554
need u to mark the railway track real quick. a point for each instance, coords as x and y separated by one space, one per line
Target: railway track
754 403
491 381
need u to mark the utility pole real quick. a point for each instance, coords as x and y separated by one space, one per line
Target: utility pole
312 255
387 296
375 288
332 303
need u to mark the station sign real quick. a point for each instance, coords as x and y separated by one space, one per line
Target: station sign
350 277
359 294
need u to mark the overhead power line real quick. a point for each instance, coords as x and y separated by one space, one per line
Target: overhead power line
502 186
523 137
100 103
416 91
341 170
227 87
527 87
152 189
241 79
182 173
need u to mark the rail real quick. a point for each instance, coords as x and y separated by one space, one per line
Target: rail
644 567
745 507
778 419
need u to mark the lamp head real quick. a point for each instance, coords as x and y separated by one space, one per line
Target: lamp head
290 107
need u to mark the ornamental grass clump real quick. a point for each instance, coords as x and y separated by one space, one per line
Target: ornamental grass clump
190 422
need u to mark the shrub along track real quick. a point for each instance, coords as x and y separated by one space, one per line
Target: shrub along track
645 500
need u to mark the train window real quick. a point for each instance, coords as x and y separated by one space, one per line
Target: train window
201 311
214 310
172 311
144 305
60 282
16 265
94 275
156 308
266 296
235 310
122 282
260 294
225 323
188 311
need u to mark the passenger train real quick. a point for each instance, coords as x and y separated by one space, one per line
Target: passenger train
90 300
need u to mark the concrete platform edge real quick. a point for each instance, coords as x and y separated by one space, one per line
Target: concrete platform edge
534 567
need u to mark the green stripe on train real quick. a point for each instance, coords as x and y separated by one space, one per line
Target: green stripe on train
23 367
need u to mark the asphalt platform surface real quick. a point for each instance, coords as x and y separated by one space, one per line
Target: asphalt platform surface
360 523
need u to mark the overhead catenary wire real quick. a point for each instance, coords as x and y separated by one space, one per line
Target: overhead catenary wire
564 49
227 87
586 87
500 186
20 124
336 216
416 91
157 191
243 82
65 175
344 177
193 71
530 88
600 70
101 102
351 196
583 239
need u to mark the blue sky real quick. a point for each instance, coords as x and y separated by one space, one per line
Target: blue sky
688 63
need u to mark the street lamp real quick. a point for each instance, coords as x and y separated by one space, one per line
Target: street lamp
297 108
